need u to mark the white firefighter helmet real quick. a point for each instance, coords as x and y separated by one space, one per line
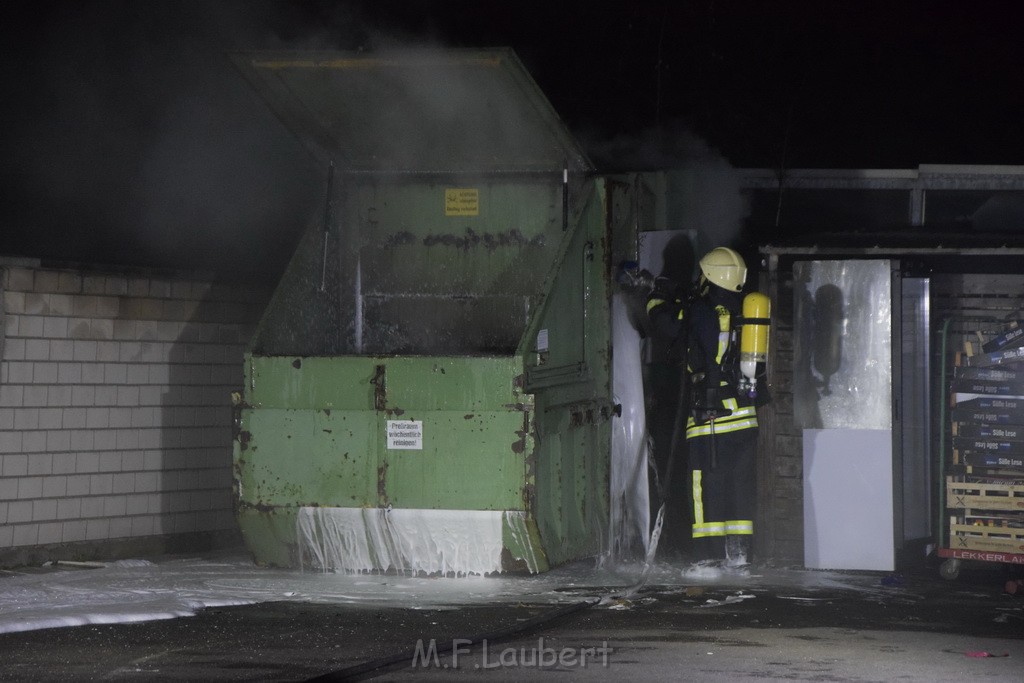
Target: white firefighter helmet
724 267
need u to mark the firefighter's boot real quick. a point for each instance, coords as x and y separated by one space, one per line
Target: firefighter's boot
737 550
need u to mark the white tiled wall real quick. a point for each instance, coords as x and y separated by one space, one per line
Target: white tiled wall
115 411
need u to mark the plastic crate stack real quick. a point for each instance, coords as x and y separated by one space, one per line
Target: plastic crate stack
985 484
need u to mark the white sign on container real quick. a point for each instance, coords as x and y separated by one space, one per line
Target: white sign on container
542 340
405 435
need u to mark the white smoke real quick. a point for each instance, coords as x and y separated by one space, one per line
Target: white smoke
131 137
703 190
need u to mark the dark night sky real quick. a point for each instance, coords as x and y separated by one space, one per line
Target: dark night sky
128 138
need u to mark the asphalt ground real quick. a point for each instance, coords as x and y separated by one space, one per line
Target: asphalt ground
759 625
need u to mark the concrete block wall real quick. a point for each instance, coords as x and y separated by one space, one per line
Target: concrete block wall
115 409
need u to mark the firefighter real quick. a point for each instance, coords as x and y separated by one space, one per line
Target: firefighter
721 430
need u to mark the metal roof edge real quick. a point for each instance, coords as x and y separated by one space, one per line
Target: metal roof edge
873 173
891 251
830 173
970 169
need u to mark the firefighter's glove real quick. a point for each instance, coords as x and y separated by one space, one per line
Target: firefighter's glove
666 289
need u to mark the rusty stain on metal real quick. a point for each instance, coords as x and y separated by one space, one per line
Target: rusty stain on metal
490 241
382 478
529 495
380 398
519 446
258 506
399 239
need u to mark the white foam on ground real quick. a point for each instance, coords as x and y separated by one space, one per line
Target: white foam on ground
133 591
121 592
139 591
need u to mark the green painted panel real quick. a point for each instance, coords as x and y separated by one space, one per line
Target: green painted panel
571 384
270 535
468 462
549 512
312 434
300 457
305 457
336 383
405 383
572 486
464 384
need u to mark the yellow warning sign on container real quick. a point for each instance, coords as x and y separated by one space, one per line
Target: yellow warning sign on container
461 202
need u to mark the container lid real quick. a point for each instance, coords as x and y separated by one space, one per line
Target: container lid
421 111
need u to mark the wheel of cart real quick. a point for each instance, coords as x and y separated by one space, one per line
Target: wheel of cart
950 569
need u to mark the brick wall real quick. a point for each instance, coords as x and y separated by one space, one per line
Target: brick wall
115 412
778 528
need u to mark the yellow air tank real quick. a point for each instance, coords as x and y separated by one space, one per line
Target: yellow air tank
753 338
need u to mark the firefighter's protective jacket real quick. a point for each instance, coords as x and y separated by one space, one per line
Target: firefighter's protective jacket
710 327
